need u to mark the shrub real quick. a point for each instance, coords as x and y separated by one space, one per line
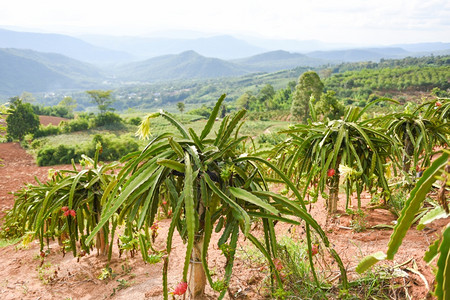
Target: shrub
21 119
135 121
47 130
61 154
113 148
108 118
78 124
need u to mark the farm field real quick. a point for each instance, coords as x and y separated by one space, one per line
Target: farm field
297 193
66 278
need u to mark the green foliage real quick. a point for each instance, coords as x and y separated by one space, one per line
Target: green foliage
67 206
309 85
46 131
185 170
329 106
78 124
107 118
417 132
58 155
271 139
294 266
3 111
439 169
318 152
21 119
361 83
103 99
113 148
56 111
134 121
203 111
181 106
68 103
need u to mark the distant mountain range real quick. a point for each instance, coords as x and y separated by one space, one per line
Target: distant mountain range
31 71
223 46
43 62
279 60
61 44
355 55
186 65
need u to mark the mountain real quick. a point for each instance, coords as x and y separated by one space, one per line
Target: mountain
61 44
223 46
187 65
301 46
31 71
425 47
355 55
279 60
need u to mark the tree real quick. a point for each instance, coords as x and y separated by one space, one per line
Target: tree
27 97
320 152
103 99
265 96
329 106
69 103
243 102
3 111
21 119
308 85
180 106
205 181
67 206
418 133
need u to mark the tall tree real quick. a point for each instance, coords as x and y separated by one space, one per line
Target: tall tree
21 119
243 102
265 96
180 106
27 97
329 106
309 84
69 103
103 99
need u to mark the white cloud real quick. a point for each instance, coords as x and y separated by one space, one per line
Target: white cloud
369 21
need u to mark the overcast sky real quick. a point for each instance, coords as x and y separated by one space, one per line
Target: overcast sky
344 21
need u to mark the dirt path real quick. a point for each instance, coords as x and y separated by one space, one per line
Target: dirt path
63 277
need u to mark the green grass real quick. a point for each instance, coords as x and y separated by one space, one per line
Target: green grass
8 242
265 133
380 283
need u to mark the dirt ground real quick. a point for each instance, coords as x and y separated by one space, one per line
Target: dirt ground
45 120
21 276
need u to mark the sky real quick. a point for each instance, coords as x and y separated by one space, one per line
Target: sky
363 22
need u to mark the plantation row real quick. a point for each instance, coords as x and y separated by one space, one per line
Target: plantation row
360 84
218 182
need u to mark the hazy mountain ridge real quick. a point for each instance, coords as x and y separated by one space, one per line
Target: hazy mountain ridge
61 44
26 70
279 60
222 46
363 54
186 65
29 70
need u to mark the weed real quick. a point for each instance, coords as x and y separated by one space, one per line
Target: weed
9 242
106 274
359 220
46 273
24 289
123 284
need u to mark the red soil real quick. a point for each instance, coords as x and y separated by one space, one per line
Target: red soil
45 120
64 277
